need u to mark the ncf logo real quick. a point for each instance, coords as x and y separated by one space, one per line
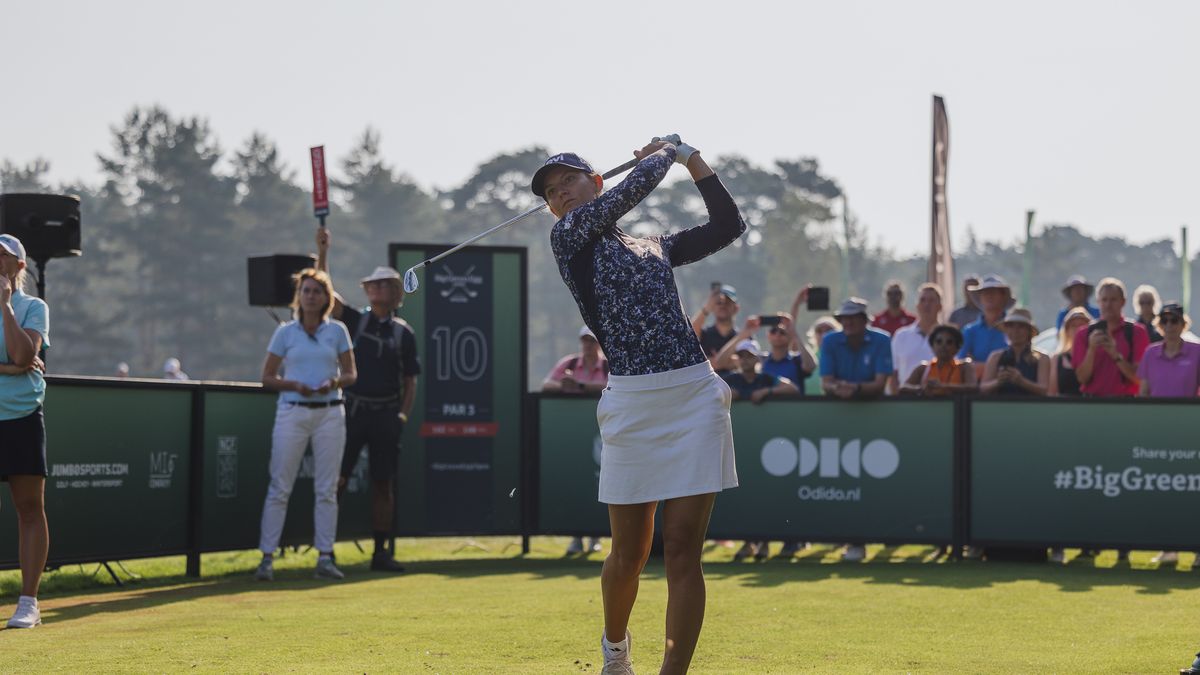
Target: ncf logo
829 458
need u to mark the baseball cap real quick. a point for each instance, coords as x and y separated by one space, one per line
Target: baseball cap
1172 308
567 159
748 346
729 292
382 273
13 245
584 331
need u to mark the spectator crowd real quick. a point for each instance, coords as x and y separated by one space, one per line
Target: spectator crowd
989 346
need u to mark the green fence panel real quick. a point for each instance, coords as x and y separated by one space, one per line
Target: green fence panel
237 452
818 469
1056 472
118 474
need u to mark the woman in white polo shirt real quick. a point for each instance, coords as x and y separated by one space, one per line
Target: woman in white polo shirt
24 332
316 354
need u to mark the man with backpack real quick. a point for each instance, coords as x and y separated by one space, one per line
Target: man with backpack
378 405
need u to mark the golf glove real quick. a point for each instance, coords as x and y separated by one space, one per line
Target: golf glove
683 151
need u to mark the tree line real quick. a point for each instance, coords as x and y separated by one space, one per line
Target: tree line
168 229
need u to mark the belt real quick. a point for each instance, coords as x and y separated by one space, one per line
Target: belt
317 404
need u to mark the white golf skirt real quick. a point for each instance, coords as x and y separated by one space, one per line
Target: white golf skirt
665 435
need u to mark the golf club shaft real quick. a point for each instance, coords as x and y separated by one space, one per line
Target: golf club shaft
517 218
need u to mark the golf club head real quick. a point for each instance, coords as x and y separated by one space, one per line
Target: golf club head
410 280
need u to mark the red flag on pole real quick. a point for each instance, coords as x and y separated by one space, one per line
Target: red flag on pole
320 182
940 270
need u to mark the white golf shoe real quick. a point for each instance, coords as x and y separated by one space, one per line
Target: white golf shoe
616 660
327 570
27 615
266 570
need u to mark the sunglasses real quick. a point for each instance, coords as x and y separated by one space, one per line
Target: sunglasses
1169 320
777 331
945 341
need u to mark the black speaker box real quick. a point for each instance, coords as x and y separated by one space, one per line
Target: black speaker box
270 278
48 225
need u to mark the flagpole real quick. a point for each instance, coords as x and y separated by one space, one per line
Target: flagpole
1027 260
1186 295
845 245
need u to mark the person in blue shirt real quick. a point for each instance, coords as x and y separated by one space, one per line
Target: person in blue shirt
855 363
986 334
319 361
1077 291
857 360
25 332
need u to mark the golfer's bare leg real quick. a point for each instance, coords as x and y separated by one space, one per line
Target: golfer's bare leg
632 532
28 495
685 522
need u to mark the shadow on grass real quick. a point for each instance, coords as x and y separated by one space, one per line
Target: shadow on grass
886 567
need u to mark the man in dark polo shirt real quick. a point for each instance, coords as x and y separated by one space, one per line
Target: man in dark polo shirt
378 405
722 304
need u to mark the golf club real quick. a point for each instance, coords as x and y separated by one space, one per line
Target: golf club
410 277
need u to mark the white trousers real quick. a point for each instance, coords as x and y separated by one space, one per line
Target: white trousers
294 427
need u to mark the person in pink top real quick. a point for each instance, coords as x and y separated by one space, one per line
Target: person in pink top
1106 354
585 372
1170 368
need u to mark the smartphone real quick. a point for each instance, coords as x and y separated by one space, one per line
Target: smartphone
1098 325
715 287
818 299
770 321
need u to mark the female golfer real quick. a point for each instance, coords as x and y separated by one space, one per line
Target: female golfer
22 430
664 417
316 353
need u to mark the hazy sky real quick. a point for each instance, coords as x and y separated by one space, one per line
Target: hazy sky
1084 111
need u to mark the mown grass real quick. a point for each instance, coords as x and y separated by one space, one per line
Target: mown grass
480 607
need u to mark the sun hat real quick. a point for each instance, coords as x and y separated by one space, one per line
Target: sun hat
851 307
382 273
992 281
567 159
1022 316
1076 280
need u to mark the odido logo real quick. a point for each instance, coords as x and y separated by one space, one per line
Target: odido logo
829 458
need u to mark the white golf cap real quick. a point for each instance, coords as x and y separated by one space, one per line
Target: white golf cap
13 245
748 346
382 273
171 365
584 331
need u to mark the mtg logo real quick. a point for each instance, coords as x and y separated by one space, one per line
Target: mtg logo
830 458
162 469
458 287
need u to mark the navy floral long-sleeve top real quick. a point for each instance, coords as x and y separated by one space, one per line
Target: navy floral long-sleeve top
624 285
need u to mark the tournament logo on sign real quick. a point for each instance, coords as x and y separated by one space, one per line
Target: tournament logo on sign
162 469
458 287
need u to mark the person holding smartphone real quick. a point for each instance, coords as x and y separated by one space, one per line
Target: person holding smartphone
723 306
1107 354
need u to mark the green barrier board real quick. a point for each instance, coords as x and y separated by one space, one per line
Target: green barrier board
1085 473
118 474
237 453
823 470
